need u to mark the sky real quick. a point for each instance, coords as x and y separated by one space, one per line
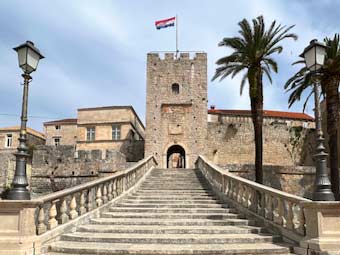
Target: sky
95 51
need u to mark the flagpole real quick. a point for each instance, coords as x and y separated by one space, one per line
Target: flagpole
176 35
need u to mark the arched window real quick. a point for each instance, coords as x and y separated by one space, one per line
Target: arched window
175 88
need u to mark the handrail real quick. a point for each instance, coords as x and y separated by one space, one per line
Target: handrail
90 184
257 186
277 208
53 210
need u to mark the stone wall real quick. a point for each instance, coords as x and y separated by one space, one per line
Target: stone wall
233 143
297 180
56 168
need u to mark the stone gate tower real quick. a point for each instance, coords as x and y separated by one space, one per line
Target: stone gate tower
176 108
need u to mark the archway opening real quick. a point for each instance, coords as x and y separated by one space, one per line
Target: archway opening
175 157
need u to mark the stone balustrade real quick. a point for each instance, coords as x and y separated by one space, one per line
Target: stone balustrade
312 226
28 220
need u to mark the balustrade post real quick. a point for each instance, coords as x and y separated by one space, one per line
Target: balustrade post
105 199
63 218
301 221
109 191
82 208
99 196
41 221
289 218
115 193
73 207
90 199
279 211
52 222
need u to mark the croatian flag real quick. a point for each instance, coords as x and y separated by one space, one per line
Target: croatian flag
165 23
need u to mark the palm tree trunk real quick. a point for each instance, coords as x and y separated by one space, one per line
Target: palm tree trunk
257 117
332 101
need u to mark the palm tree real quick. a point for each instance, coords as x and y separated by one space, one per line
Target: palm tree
329 77
253 51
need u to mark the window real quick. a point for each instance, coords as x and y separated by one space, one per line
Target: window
115 132
57 127
175 88
90 134
57 141
9 140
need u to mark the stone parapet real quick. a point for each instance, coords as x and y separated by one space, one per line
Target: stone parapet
27 225
314 226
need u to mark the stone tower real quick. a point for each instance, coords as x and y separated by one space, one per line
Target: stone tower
176 109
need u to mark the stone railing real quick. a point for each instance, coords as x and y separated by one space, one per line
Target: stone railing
40 216
314 226
280 209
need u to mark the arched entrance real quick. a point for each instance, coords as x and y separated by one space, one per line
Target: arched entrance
175 157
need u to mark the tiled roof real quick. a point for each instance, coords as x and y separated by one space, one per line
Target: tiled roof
63 121
266 113
29 131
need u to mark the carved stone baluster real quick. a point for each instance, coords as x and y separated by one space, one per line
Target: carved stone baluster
109 191
270 208
105 193
89 204
41 221
63 218
226 186
115 194
244 195
252 200
82 208
231 188
267 205
261 203
247 196
73 207
99 196
278 215
289 217
52 222
301 221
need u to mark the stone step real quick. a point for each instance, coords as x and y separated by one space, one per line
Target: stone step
205 230
169 249
172 210
167 197
171 222
210 216
176 192
168 238
179 202
169 205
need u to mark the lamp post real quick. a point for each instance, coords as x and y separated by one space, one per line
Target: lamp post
28 57
314 55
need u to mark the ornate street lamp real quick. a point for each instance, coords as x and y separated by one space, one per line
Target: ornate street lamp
314 55
29 57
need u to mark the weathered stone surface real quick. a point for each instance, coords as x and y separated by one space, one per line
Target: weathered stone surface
231 141
176 117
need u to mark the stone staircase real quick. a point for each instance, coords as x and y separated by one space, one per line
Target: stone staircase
172 212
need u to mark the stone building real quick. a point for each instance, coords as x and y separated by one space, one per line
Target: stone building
112 127
179 126
100 128
176 108
61 132
9 138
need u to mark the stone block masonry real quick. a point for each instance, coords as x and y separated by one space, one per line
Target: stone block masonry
176 106
232 142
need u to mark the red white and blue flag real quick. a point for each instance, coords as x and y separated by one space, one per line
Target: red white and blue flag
165 23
